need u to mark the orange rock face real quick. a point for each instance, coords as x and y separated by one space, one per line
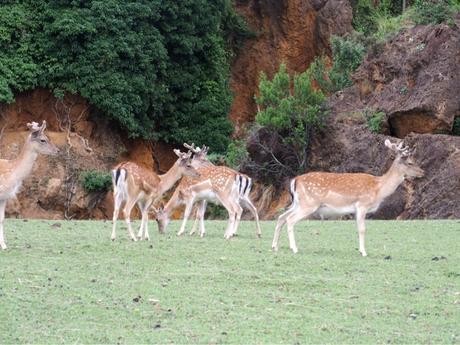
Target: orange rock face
293 32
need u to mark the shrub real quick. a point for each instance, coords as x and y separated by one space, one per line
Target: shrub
374 120
214 211
236 154
96 181
347 55
288 114
432 11
160 69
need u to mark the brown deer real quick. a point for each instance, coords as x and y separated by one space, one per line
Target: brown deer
13 172
217 184
330 193
134 184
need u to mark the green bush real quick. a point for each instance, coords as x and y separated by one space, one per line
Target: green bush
96 181
375 120
214 211
347 55
160 69
433 11
289 110
236 154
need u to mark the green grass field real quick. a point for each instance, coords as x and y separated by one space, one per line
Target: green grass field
68 283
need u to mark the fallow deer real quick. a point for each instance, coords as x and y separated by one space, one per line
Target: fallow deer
134 184
330 193
217 184
13 172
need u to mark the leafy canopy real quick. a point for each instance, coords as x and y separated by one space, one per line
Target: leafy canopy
290 108
159 68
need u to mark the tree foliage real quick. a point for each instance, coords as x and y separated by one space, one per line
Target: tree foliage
290 109
159 68
347 55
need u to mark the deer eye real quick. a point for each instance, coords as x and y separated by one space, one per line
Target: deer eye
43 140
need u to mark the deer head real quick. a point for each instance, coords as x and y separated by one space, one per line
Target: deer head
39 141
200 158
405 161
184 164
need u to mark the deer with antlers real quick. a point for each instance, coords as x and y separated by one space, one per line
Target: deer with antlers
330 193
13 172
218 184
133 184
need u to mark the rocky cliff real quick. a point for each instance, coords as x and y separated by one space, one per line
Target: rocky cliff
293 32
87 142
413 79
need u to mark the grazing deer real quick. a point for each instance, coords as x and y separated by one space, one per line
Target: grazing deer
330 193
134 184
13 172
217 184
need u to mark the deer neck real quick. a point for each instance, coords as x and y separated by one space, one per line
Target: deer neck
23 164
170 178
391 180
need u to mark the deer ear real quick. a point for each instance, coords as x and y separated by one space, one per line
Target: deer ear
43 127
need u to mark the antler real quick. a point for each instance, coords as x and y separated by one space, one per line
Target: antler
182 155
192 148
204 150
400 149
34 127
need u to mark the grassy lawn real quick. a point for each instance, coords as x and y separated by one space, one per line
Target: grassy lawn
66 282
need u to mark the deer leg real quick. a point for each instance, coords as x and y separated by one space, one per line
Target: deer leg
141 206
279 225
239 212
188 209
292 219
2 217
202 212
145 213
360 220
231 216
127 211
195 223
250 206
118 199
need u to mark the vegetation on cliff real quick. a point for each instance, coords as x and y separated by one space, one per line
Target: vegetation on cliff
159 68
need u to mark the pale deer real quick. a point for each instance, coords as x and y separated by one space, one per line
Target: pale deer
133 184
217 184
13 172
359 194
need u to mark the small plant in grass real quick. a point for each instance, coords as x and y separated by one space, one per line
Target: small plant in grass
374 120
96 181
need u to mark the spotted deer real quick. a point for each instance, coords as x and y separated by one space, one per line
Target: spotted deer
331 193
217 184
13 172
134 184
